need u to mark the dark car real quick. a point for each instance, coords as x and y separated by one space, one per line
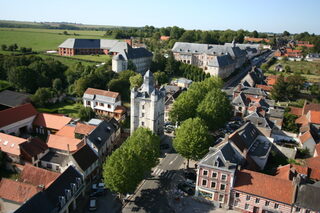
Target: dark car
98 192
191 176
186 188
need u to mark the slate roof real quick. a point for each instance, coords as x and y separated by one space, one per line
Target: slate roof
101 95
263 185
210 49
220 61
37 176
17 191
84 129
55 157
13 115
101 133
85 157
240 100
48 200
252 91
308 197
12 99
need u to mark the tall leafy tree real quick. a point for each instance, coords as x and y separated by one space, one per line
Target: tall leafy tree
279 90
192 140
215 109
136 81
86 113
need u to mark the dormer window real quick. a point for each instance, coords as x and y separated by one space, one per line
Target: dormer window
79 181
62 201
68 194
73 187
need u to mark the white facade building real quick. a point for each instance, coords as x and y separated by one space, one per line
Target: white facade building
147 106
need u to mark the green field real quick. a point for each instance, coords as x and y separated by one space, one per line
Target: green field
67 108
310 70
42 39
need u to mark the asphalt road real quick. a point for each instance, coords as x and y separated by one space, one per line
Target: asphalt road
151 195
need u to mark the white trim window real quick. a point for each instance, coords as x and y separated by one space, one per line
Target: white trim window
205 172
223 177
204 182
214 174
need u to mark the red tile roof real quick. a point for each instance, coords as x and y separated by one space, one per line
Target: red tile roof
311 107
263 185
32 148
164 38
318 149
303 120
17 191
296 111
92 91
289 171
305 137
51 121
15 114
37 176
10 144
272 80
61 143
314 164
84 129
314 117
264 87
67 131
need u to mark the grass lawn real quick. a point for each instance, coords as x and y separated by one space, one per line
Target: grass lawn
42 39
310 70
66 60
67 108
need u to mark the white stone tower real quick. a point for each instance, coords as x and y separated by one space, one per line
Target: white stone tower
147 106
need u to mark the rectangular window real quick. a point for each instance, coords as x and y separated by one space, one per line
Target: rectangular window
223 177
142 123
222 186
221 197
142 106
276 205
204 182
246 206
214 175
213 184
237 194
88 103
267 203
101 104
205 172
236 203
49 166
297 209
142 114
257 200
248 197
109 106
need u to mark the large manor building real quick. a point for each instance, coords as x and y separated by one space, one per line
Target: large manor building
217 60
121 51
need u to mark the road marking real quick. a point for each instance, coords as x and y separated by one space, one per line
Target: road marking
171 162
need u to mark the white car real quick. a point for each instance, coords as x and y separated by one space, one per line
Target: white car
96 186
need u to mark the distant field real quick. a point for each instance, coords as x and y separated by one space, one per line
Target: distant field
42 39
310 70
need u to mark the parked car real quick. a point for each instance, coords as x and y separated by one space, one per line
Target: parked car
191 176
186 188
96 186
98 192
93 204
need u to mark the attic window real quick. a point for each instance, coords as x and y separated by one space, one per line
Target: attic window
216 163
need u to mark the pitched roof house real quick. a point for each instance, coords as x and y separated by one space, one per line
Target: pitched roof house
64 144
59 196
18 119
49 123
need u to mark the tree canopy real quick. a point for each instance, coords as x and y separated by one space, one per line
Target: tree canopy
192 140
128 165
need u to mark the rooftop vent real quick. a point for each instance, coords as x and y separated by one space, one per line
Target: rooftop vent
5 143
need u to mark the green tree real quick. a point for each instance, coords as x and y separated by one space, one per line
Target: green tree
136 81
86 113
279 90
289 123
160 77
287 68
255 34
23 78
42 96
264 67
192 140
286 33
128 165
215 109
15 47
123 171
131 66
4 47
57 84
